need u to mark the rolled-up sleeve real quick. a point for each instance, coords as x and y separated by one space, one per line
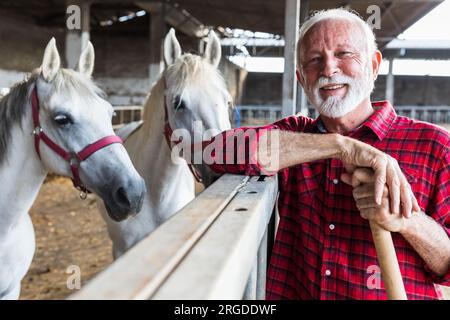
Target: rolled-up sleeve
236 151
439 207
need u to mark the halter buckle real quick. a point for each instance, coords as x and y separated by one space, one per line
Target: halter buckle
37 130
74 160
83 195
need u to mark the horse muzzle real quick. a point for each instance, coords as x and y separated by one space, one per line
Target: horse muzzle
125 200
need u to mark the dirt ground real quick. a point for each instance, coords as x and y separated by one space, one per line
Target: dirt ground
69 231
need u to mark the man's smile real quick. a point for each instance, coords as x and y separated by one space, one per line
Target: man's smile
333 89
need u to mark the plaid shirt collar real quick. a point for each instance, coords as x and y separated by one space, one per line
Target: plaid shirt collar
379 122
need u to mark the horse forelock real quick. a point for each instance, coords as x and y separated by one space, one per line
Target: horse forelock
76 84
187 70
192 69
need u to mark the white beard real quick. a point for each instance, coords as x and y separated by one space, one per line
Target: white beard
334 106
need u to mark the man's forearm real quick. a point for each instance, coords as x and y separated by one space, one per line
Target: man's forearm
430 241
290 148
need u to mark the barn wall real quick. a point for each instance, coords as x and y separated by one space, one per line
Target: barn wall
417 90
122 67
23 43
235 78
121 56
265 88
121 64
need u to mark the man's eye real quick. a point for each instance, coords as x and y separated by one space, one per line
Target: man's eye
344 54
63 120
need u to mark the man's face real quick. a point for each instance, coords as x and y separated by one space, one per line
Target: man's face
335 69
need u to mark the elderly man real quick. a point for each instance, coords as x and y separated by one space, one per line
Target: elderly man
324 248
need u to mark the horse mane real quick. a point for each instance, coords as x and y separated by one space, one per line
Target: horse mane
14 105
12 109
187 69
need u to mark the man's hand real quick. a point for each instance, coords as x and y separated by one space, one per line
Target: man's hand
421 231
292 148
363 182
386 172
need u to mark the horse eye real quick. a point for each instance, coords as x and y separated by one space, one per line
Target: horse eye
178 103
63 120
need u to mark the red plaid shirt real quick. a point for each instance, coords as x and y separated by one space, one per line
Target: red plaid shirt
323 248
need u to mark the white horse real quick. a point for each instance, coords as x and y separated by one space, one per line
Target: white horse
190 89
44 123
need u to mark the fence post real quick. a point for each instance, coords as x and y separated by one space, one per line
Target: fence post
291 26
251 286
262 268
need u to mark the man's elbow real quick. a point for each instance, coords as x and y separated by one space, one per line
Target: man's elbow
441 269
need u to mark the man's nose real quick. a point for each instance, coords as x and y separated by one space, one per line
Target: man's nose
330 66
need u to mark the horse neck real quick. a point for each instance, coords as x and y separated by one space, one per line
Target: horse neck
21 175
154 113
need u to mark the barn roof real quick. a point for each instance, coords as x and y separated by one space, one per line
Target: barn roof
255 15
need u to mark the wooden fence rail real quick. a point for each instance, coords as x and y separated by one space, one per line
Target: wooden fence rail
126 114
214 248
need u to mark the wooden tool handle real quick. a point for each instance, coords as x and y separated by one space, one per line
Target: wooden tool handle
387 258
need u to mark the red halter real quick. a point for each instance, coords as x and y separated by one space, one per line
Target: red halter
73 158
168 134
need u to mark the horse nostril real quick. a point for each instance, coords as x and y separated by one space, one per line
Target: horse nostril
122 197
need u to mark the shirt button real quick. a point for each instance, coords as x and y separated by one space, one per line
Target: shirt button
327 273
335 181
331 226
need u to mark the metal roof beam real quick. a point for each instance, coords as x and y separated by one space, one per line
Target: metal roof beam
178 18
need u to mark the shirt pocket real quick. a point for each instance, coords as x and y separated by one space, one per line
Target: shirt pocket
409 172
307 182
308 177
412 175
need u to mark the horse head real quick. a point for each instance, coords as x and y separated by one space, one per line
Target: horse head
73 114
196 98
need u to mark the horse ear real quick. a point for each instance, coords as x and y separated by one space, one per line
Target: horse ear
172 49
213 51
51 61
86 62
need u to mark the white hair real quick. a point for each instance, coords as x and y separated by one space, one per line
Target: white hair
338 14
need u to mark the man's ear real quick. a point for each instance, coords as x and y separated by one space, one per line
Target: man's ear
299 77
377 57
